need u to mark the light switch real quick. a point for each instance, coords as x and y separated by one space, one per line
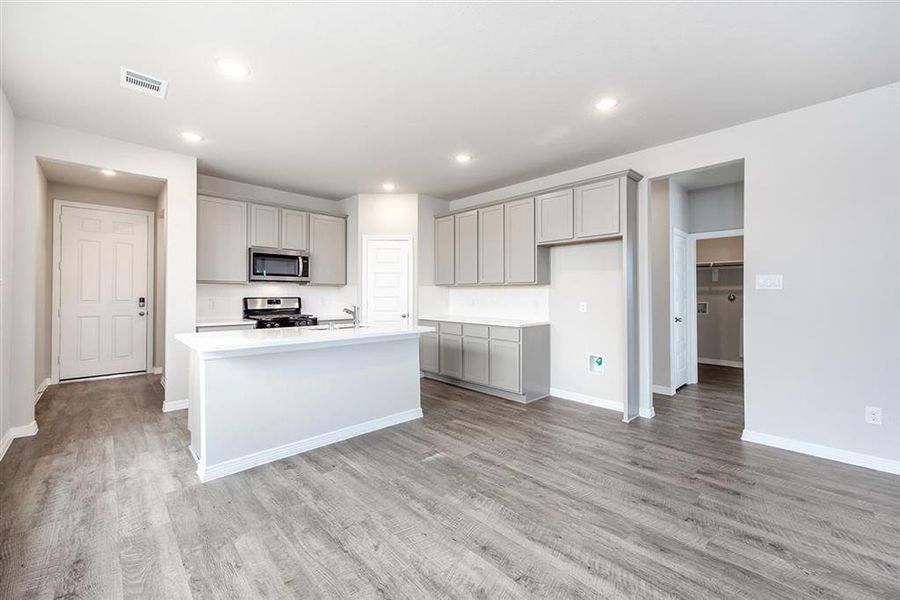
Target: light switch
582 307
769 282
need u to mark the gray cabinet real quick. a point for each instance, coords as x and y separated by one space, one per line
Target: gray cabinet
491 244
509 362
444 269
475 360
597 209
466 247
555 220
524 261
327 250
221 240
294 229
265 226
450 358
429 353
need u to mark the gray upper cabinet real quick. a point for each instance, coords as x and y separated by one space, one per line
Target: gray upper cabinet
555 218
294 229
466 247
520 243
444 270
221 240
597 209
491 244
327 250
265 226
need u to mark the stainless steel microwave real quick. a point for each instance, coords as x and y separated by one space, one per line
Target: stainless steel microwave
267 264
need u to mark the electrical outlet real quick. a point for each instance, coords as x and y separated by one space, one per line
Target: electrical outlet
582 307
873 415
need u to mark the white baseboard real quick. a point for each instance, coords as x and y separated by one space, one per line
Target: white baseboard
585 399
41 389
172 405
665 390
162 381
836 454
235 465
717 362
156 370
16 432
647 413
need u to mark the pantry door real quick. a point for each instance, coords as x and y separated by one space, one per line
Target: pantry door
387 280
103 290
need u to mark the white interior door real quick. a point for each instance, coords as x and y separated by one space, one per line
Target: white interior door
387 296
103 275
680 371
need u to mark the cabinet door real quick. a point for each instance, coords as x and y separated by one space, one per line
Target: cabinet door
520 244
451 356
554 216
466 225
475 360
294 229
505 362
221 240
264 226
428 352
490 244
443 251
327 250
597 209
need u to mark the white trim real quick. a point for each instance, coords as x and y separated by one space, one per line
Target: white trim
665 390
41 389
412 260
721 233
16 432
157 371
173 405
235 465
54 267
718 362
836 454
162 381
100 377
647 413
589 400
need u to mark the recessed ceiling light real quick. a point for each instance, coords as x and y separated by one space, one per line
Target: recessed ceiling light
388 187
108 172
233 69
463 158
606 103
192 137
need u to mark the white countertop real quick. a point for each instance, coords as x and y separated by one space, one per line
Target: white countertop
224 322
499 322
254 341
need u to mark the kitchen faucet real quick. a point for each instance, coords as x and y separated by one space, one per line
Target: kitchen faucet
354 312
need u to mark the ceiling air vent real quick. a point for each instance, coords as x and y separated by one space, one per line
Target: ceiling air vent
139 82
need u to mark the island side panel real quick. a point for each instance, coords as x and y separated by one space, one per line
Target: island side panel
262 407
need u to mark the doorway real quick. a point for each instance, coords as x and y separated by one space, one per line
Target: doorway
387 280
103 290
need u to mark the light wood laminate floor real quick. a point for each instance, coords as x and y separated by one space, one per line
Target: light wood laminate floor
482 498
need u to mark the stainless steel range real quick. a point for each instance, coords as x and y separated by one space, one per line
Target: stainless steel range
277 312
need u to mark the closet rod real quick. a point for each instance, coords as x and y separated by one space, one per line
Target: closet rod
721 265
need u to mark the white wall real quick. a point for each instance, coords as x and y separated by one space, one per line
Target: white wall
38 140
820 208
224 301
12 413
159 359
717 208
432 298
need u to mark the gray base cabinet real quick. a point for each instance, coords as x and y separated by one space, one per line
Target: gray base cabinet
509 362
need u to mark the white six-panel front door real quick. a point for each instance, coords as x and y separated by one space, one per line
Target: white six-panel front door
387 281
103 274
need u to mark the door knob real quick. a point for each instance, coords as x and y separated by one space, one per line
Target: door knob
678 319
403 316
141 314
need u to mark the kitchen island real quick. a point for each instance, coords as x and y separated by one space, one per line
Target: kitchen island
264 394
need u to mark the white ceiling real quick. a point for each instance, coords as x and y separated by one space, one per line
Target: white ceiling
343 97
85 176
699 179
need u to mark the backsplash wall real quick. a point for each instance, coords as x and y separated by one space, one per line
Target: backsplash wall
532 302
224 301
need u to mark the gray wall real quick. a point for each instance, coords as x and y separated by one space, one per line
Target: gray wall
719 331
660 250
717 208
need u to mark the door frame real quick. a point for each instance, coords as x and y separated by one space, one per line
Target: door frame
693 350
412 261
55 329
